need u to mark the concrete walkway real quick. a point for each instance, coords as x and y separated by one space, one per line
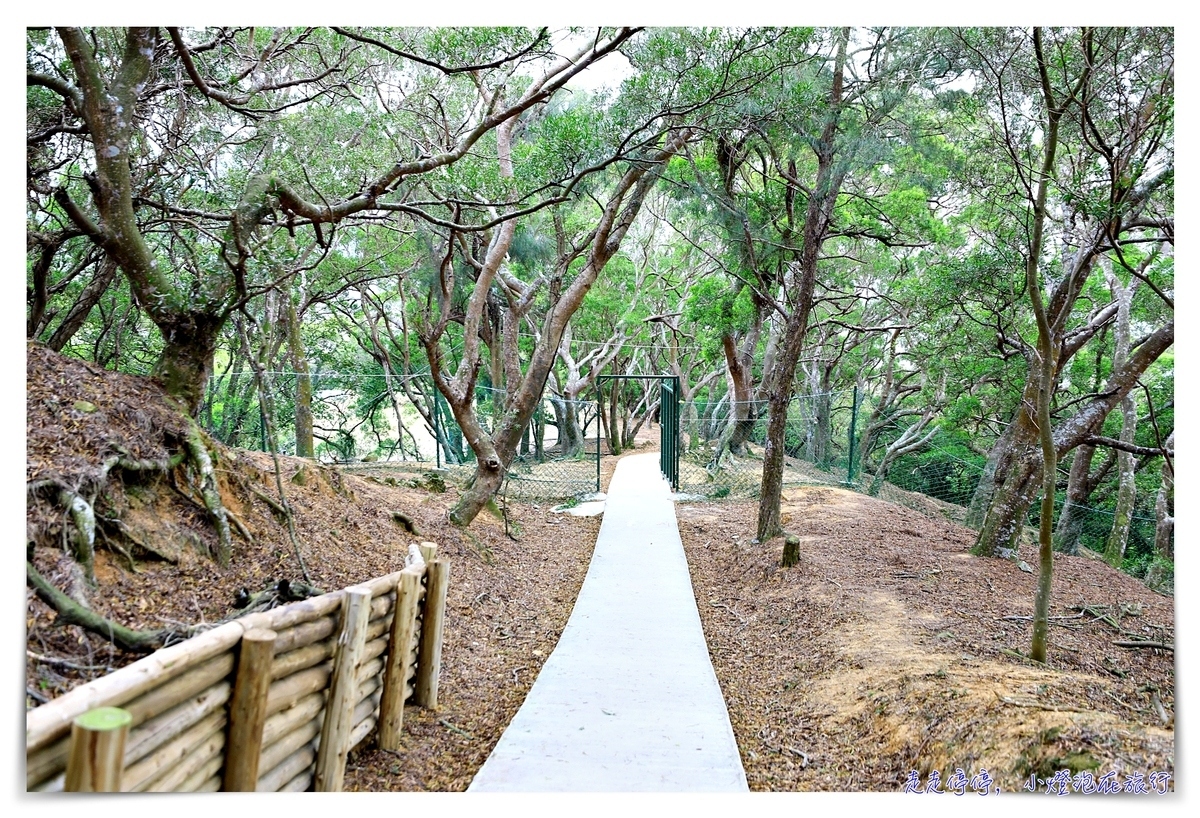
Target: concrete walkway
628 700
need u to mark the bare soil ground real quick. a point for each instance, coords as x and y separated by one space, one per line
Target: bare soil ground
881 652
889 648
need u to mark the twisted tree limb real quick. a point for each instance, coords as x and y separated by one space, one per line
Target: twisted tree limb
72 613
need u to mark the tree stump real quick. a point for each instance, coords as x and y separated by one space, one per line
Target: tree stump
791 550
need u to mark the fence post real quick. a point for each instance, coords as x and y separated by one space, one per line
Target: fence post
248 710
343 691
853 436
428 551
599 379
399 662
429 660
96 757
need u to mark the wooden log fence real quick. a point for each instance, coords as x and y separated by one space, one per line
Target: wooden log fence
271 702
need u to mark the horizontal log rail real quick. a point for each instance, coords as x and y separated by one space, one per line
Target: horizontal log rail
272 701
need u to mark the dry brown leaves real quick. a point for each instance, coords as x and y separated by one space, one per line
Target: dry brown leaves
882 652
508 601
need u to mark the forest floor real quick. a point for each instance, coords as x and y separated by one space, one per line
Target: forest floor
889 648
881 652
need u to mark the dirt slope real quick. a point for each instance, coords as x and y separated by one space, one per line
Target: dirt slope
508 601
884 651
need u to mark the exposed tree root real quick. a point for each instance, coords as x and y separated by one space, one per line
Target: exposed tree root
270 501
239 525
83 538
72 613
199 456
405 522
129 463
283 592
1144 644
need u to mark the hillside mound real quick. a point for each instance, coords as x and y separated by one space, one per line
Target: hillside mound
890 649
512 583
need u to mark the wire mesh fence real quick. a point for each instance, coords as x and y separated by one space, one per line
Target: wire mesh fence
940 478
391 425
838 439
723 444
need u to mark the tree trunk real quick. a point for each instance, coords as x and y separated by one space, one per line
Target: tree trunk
1114 548
1012 496
612 431
83 305
1070 519
817 221
1164 507
991 478
303 418
1118 538
485 484
823 412
778 401
740 416
539 434
186 361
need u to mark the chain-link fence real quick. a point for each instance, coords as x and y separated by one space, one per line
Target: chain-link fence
555 459
723 443
839 439
940 478
402 428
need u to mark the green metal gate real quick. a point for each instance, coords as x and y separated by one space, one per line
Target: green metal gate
668 416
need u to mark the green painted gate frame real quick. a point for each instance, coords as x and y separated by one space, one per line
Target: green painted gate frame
668 417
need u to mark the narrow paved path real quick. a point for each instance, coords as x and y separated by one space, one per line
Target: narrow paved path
628 700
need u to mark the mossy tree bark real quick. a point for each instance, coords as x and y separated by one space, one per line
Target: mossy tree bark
1118 537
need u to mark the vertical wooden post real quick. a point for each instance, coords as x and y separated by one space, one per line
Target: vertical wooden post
248 710
96 758
404 626
428 551
791 550
343 691
429 660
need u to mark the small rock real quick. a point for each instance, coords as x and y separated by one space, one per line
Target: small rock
538 654
84 406
1024 566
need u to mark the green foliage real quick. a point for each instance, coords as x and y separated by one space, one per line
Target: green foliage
717 308
920 278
